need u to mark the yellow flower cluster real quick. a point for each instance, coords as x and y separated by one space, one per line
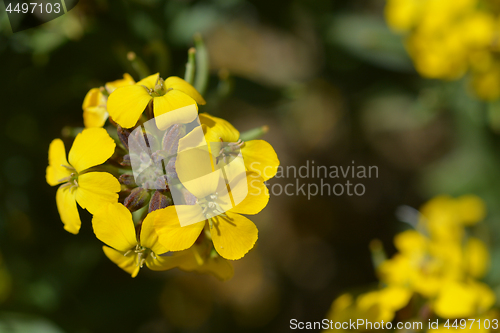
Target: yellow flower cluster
447 38
434 274
140 224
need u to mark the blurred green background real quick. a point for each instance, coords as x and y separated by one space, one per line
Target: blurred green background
334 85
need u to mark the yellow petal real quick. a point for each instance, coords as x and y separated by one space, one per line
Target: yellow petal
93 146
149 237
195 170
176 83
233 236
57 158
477 258
96 189
127 263
233 168
66 205
218 128
183 115
486 297
95 116
411 242
260 157
113 225
170 233
163 263
172 101
217 266
126 81
93 98
126 104
149 81
193 139
471 209
256 198
456 300
395 297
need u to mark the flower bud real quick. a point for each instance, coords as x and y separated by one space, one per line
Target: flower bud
159 201
127 180
123 135
171 138
137 199
161 182
126 161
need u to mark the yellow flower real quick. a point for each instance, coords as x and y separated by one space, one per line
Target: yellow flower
90 189
446 38
424 263
258 155
374 306
437 55
114 226
217 208
94 104
126 104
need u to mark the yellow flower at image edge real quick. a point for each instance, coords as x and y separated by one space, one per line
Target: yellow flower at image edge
126 104
90 189
114 226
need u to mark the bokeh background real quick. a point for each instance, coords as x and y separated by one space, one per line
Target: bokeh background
333 83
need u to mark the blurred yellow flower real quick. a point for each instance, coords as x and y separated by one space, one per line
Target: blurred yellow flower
90 189
126 104
447 38
436 267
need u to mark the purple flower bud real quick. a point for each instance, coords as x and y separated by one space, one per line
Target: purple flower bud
127 180
137 199
159 201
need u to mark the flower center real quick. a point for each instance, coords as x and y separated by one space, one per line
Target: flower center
71 180
142 254
159 88
211 206
231 149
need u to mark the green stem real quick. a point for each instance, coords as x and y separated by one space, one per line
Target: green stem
225 86
254 133
190 66
201 75
139 65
